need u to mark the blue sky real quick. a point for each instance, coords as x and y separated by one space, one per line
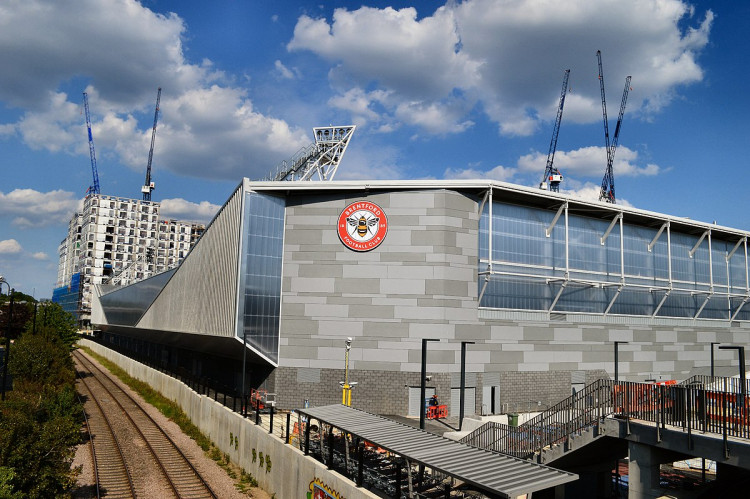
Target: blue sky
466 89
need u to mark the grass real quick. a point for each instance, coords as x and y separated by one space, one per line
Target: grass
172 411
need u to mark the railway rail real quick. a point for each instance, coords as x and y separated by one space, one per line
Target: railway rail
179 474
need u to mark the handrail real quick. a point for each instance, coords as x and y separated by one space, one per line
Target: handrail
721 408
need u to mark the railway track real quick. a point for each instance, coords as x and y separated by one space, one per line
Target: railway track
113 471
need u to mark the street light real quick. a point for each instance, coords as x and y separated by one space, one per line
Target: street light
422 381
7 333
712 356
741 352
346 388
463 382
617 348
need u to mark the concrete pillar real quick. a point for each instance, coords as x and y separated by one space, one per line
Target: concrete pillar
643 479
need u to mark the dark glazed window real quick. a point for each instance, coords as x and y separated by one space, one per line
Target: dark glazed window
260 274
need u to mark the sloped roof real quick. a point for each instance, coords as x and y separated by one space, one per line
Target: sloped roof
485 470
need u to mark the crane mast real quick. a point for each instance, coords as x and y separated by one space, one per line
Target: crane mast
148 186
607 192
94 188
552 175
604 105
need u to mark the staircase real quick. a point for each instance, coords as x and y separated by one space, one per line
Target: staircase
576 416
718 406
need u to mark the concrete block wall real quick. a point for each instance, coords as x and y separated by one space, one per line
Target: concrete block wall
290 473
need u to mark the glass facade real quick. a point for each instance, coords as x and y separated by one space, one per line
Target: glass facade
126 306
260 273
69 297
564 261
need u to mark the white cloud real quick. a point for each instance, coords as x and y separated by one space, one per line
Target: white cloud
33 209
181 209
124 51
590 192
40 255
10 247
283 71
589 161
509 57
499 172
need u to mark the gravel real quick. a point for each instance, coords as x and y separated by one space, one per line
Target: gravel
144 476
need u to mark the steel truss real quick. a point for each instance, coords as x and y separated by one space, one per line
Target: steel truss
670 286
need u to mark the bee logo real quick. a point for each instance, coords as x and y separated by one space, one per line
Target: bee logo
362 226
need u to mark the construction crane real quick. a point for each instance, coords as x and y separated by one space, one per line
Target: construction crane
321 157
94 188
552 176
148 186
607 192
606 127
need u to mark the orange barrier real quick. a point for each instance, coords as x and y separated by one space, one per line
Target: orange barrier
640 397
437 411
257 399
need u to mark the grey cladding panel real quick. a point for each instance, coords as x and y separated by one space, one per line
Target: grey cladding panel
201 296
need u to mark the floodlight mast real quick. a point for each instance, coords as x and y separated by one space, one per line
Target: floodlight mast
552 176
319 160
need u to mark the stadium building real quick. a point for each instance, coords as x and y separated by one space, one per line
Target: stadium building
541 289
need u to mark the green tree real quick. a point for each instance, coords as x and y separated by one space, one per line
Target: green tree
52 320
41 418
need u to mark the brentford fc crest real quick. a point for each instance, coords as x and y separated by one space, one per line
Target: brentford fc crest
362 226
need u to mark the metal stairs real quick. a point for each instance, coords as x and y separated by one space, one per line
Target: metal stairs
568 425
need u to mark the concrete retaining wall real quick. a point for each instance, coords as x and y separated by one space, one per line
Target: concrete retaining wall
282 470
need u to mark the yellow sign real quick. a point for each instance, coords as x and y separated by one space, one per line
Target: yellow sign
319 490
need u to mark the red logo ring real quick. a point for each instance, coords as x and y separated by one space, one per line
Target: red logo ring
362 226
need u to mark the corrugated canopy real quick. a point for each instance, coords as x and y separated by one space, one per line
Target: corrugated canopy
485 470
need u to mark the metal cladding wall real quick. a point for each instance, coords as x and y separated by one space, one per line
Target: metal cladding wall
422 282
201 297
419 283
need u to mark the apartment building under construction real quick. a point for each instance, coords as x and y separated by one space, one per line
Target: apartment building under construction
117 240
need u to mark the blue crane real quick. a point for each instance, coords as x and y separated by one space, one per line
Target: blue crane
94 188
148 186
607 191
551 174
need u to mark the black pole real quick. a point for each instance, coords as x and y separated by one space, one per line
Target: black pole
422 381
360 462
617 359
244 372
463 383
712 356
7 340
330 448
270 420
307 437
288 420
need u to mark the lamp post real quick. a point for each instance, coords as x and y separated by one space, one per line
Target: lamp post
741 353
617 359
712 356
463 382
346 392
7 333
423 380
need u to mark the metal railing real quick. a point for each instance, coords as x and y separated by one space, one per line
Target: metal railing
717 406
572 415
